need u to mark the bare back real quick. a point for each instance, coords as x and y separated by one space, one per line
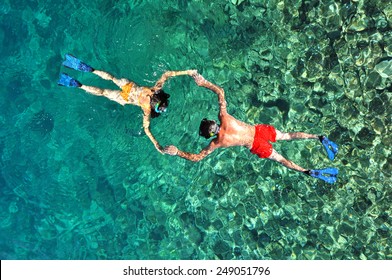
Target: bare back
234 132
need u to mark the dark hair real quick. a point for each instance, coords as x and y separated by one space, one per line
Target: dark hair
159 97
204 129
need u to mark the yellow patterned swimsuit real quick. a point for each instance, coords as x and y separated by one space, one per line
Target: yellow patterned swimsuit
131 94
126 90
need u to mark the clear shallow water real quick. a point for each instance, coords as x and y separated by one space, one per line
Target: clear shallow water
80 180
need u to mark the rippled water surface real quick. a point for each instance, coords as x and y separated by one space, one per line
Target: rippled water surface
80 180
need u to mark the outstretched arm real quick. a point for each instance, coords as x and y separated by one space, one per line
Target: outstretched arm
146 126
202 82
172 150
159 84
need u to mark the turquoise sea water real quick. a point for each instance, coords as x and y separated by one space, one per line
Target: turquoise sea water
80 180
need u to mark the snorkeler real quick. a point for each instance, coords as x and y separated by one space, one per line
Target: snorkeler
153 101
232 132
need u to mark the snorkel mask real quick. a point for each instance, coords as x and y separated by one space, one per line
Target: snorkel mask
214 129
159 110
208 128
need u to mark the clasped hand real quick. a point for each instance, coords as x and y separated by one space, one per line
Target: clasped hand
170 150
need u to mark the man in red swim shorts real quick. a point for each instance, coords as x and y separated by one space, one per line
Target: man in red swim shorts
264 134
232 132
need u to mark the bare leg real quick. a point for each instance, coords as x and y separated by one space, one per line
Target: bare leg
285 162
106 76
93 90
111 94
294 135
328 175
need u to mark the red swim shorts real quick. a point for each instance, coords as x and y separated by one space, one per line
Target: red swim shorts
263 136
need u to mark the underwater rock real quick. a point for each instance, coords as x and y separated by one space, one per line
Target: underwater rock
349 111
381 22
301 238
358 23
325 236
362 204
384 68
373 80
377 106
384 230
313 65
387 42
330 19
347 11
367 48
237 237
241 210
237 2
250 223
221 247
217 224
194 235
336 76
366 137
263 239
252 62
387 167
353 84
378 125
201 220
222 167
158 233
266 54
388 11
237 251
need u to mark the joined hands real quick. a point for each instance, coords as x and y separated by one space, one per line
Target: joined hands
170 150
199 79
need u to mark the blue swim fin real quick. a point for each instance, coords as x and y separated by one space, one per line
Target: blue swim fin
328 175
68 81
330 147
74 63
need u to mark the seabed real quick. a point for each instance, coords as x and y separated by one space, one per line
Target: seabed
80 180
